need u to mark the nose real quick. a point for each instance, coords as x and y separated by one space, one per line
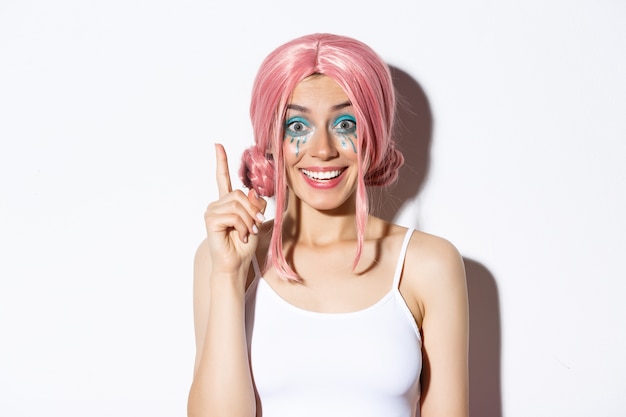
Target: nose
323 145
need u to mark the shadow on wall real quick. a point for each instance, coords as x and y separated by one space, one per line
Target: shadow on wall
484 346
413 134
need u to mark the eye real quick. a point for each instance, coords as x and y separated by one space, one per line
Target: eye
345 124
297 126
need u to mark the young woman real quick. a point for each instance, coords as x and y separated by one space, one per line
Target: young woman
325 311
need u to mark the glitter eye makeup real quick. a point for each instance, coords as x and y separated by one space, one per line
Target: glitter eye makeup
345 124
297 126
297 130
345 128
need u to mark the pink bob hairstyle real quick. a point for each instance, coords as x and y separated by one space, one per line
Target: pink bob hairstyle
366 80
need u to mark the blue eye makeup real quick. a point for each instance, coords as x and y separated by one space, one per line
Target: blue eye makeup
297 126
345 127
345 124
297 129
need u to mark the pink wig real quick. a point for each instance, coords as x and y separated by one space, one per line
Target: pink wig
366 80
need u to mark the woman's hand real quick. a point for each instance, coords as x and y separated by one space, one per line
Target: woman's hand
222 383
232 222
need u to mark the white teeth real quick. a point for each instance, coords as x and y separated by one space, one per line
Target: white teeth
321 175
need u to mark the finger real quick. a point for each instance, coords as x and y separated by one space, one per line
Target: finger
259 204
241 227
231 222
232 208
251 203
263 205
223 177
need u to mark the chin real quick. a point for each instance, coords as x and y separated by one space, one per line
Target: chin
340 203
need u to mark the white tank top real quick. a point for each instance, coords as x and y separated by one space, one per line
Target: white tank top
365 363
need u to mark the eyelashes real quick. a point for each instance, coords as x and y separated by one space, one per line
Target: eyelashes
344 127
297 129
297 126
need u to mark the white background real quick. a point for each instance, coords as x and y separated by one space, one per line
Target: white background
108 115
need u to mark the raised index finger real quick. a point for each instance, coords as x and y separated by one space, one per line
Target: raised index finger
222 175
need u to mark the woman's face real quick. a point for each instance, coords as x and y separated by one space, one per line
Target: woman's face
319 143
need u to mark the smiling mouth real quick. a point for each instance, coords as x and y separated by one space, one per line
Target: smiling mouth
322 175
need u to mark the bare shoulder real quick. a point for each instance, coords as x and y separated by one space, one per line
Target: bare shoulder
433 257
434 273
425 252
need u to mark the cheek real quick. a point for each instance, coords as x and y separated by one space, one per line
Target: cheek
348 142
293 145
290 158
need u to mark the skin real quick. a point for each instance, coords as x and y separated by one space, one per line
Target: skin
319 230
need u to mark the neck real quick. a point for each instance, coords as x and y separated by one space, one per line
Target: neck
305 224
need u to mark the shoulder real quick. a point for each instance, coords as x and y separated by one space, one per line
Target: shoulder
435 277
425 252
434 273
432 256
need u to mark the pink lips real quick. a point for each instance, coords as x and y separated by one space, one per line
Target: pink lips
323 178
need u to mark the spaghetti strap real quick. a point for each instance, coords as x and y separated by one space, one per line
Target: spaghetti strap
255 265
401 257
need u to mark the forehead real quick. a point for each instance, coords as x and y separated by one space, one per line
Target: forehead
318 90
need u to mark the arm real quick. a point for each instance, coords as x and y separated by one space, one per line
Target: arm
222 383
445 329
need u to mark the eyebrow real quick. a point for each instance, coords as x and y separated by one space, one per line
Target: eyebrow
304 109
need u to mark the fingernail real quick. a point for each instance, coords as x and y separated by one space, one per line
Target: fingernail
255 229
260 216
256 195
245 239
